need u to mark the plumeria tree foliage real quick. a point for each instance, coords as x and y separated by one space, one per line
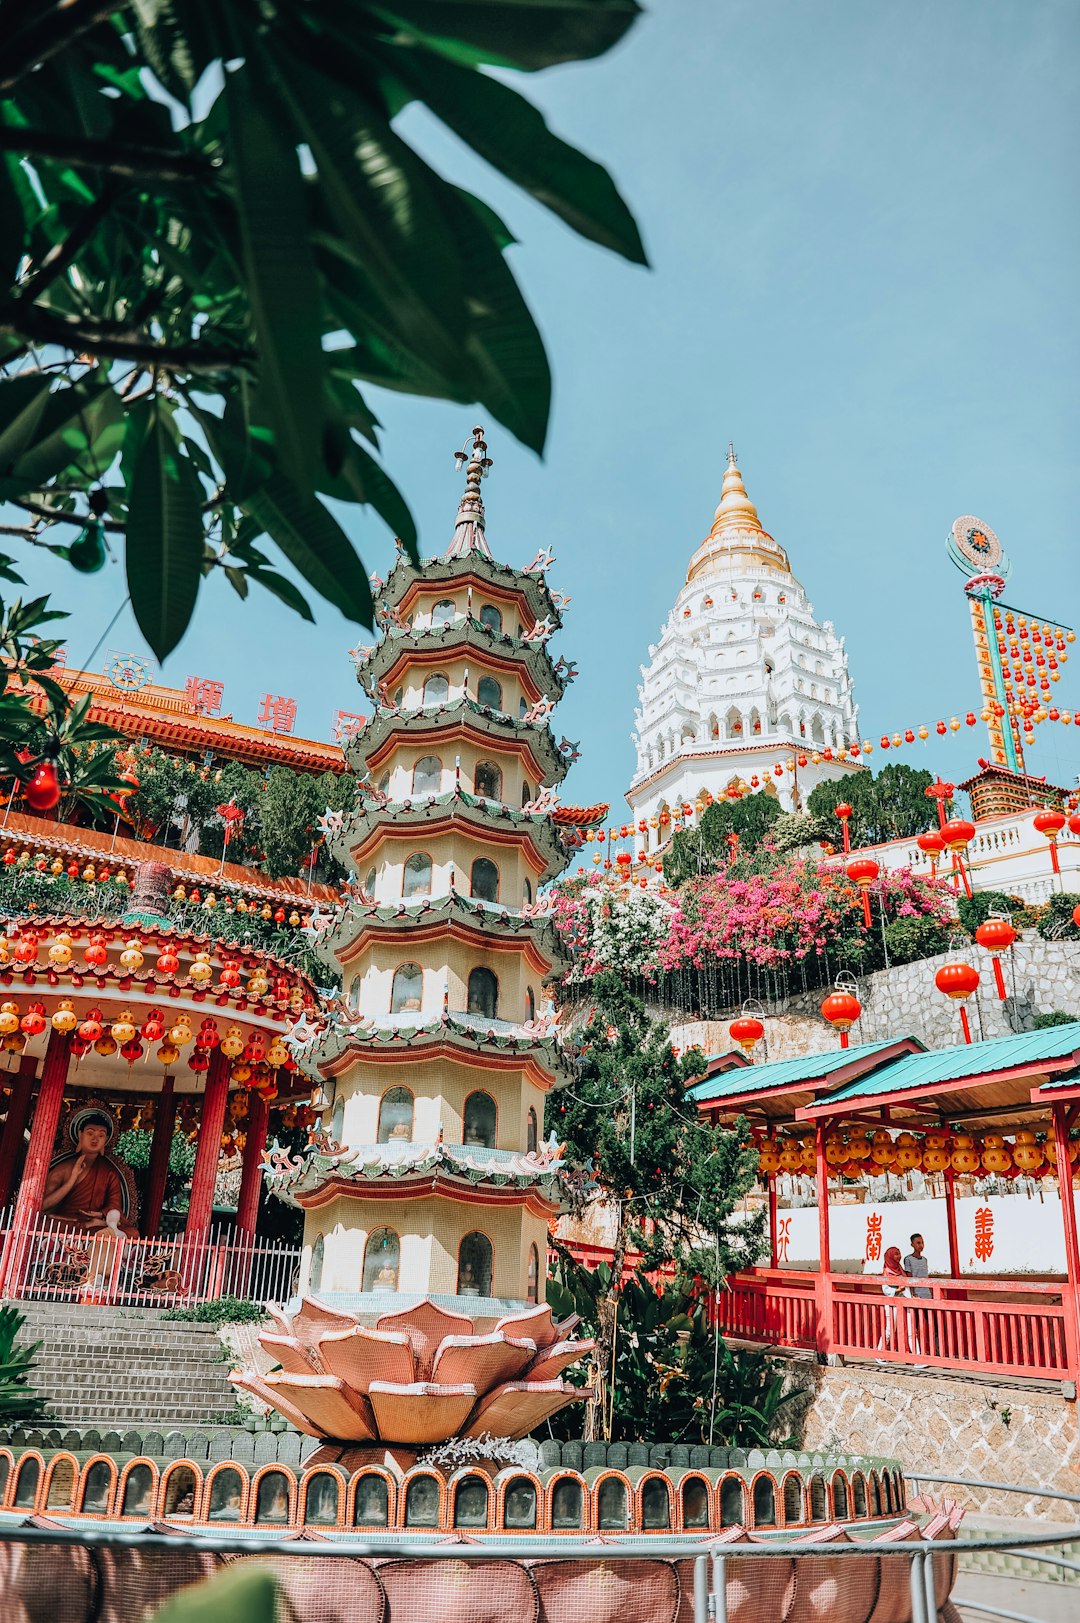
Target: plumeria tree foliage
213 236
673 1180
888 805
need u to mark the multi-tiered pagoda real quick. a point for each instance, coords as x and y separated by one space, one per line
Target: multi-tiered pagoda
433 1180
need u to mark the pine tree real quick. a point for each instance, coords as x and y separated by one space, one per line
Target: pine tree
673 1179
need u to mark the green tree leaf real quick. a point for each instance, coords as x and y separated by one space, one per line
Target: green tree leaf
315 544
512 135
514 33
164 538
282 280
244 1594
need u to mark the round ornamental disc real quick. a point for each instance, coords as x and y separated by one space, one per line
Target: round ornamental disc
975 546
128 672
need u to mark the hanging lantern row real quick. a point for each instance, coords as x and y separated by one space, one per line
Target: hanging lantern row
120 879
857 1151
22 953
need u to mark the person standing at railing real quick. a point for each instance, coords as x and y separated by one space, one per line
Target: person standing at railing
894 1282
917 1266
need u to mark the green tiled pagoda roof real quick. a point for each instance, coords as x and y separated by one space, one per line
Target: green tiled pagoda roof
800 1072
944 1065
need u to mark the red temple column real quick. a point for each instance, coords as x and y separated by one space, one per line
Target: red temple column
950 1222
18 1111
774 1260
1072 1241
161 1145
247 1206
54 1074
824 1340
208 1155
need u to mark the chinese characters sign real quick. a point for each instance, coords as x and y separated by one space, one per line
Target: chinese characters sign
984 1233
277 712
873 1237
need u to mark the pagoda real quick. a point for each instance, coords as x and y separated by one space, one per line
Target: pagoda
431 1180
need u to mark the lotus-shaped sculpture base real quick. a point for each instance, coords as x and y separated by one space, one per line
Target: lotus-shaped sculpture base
419 1377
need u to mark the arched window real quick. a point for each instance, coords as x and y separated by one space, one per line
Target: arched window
818 1509
530 1003
484 880
272 1499
382 1256
396 1117
875 1494
354 994
566 1504
491 617
858 1493
611 1504
427 775
655 1504
527 891
479 1120
369 884
180 1492
416 875
732 1503
530 1130
384 783
793 1499
436 689
337 1120
138 1492
322 1491
471 1502
487 780
96 1486
526 793
408 989
422 1502
226 1497
695 1503
519 1503
532 1288
489 692
474 1266
764 1502
318 1251
483 992
443 612
371 1507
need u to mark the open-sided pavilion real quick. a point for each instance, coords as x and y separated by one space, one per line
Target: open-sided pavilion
1028 1083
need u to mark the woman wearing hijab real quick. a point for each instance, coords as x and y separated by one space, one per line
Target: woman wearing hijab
894 1282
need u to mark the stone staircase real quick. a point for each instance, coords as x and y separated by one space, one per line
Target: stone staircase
111 1367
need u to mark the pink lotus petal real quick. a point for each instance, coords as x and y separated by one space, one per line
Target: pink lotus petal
328 1405
315 1318
535 1322
513 1409
483 1361
549 1364
360 1356
426 1326
291 1354
248 1381
420 1412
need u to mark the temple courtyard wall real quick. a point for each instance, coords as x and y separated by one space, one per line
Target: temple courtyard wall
902 1001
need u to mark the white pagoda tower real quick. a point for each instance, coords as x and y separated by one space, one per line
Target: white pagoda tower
743 677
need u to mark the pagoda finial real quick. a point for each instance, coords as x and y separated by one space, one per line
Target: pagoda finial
469 525
732 459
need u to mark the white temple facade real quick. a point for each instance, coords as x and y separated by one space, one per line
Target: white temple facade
743 679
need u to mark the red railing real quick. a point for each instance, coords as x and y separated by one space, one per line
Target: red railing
1002 1327
52 1264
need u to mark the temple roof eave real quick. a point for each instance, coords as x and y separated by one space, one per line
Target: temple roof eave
439 571
328 1053
479 816
357 920
455 1170
465 632
385 724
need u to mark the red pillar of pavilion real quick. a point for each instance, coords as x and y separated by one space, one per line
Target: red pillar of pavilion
50 1099
207 1156
774 1260
1072 1240
247 1205
950 1220
161 1144
824 1283
18 1112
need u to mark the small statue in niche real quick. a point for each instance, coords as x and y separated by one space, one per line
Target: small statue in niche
87 1188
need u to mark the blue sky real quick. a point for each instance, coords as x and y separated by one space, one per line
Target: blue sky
863 228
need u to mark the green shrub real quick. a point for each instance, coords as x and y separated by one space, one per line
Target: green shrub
911 939
1056 923
223 1310
18 1401
1053 1017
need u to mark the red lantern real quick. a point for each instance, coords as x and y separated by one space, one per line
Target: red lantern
33 1021
996 936
43 790
26 949
862 871
153 1027
958 981
841 1010
957 835
845 813
90 1029
1051 824
168 963
747 1031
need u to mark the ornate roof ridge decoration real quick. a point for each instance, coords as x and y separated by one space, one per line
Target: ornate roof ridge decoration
555 674
422 1375
342 927
369 814
319 1046
388 717
544 1169
545 604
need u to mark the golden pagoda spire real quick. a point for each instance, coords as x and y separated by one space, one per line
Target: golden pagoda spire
735 509
737 534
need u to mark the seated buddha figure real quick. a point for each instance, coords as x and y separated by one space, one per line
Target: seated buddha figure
86 1188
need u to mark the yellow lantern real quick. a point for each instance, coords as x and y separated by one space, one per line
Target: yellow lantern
909 1153
965 1155
995 1157
123 1030
241 1071
65 1019
935 1160
88 873
836 1150
60 951
881 1151
277 1053
56 866
180 894
791 1156
258 985
232 1043
768 1158
131 958
1027 1154
181 1032
9 1019
201 969
266 911
105 1045
14 1042
294 918
168 1054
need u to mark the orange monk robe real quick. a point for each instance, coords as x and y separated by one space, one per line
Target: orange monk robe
100 1189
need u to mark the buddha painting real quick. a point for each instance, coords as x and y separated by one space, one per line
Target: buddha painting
87 1189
